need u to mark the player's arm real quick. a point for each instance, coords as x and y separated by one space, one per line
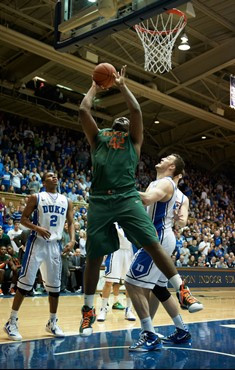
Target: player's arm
71 230
162 192
88 123
136 121
181 218
25 218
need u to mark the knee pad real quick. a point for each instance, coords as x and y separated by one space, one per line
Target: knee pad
162 293
23 292
53 294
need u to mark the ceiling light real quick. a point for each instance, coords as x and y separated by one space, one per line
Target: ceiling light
92 1
64 87
39 78
184 45
203 137
156 122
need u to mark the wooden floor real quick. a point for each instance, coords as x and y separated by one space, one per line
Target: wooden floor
218 304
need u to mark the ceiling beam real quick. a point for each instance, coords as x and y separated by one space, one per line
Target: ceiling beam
78 64
20 14
212 14
205 64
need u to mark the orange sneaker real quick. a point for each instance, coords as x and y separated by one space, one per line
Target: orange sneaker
88 318
1 292
188 301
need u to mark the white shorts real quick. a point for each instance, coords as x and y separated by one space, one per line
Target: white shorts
117 264
45 255
143 272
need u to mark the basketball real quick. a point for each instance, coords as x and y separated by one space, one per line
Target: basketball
103 75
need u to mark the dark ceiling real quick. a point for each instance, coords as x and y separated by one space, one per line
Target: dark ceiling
190 101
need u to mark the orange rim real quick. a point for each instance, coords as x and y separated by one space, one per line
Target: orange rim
171 11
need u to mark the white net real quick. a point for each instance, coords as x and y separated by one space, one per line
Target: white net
158 37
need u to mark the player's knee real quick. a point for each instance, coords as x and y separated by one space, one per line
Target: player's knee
54 294
23 291
162 293
108 283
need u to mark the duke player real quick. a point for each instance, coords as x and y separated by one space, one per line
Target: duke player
143 276
43 251
116 267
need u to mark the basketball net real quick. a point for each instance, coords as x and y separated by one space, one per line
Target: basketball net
158 37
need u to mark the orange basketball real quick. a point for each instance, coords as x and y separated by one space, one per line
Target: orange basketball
103 75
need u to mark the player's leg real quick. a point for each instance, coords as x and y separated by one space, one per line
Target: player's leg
116 290
50 269
127 257
148 339
91 278
31 262
2 273
139 227
181 333
129 315
105 297
102 239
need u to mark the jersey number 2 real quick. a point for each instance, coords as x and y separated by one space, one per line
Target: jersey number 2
53 221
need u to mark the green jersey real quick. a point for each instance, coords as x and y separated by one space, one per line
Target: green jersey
114 161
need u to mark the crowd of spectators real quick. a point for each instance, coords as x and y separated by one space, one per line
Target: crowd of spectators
28 151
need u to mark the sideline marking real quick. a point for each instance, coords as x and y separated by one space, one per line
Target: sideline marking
177 348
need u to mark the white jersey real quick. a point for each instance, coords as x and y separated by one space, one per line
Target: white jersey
124 243
51 214
162 213
179 200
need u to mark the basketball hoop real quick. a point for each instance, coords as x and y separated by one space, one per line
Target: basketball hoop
158 38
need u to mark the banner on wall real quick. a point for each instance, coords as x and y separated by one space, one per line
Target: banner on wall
195 277
203 277
232 91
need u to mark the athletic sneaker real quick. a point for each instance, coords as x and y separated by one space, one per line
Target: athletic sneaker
102 314
148 341
88 318
11 328
38 291
187 301
118 306
129 314
12 291
54 329
179 336
1 292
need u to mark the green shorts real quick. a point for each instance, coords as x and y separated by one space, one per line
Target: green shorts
128 211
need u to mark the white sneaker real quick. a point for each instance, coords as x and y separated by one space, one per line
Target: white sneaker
129 314
54 329
11 328
102 314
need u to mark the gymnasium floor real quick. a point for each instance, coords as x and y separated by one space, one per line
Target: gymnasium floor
213 337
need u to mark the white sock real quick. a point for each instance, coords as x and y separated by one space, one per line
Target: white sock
52 316
115 298
12 285
104 302
128 302
38 286
14 314
179 322
89 300
146 324
176 281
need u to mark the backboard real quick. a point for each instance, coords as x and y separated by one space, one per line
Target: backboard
79 22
